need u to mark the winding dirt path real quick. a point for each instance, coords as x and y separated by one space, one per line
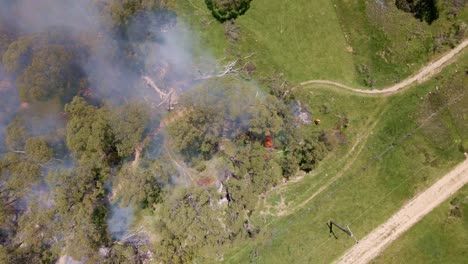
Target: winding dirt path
424 74
411 213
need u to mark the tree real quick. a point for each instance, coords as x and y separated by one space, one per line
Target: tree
18 55
37 234
79 196
6 39
224 108
16 133
310 152
189 221
51 73
289 164
141 187
38 150
20 172
122 254
264 119
224 10
198 132
129 123
89 131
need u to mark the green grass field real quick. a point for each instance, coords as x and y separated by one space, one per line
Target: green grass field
299 38
373 188
389 44
354 42
439 238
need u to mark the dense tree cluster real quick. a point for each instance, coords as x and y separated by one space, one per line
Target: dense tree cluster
62 155
228 121
76 145
224 10
224 108
44 66
50 73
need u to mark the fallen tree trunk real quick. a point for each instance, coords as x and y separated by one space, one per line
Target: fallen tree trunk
151 83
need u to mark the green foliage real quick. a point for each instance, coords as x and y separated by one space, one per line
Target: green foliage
36 228
121 254
38 149
311 152
129 123
224 10
18 55
5 40
51 73
89 130
189 221
16 134
121 11
224 108
20 172
111 133
138 187
255 165
289 164
22 169
79 196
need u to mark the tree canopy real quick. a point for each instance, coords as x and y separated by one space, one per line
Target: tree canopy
224 108
51 73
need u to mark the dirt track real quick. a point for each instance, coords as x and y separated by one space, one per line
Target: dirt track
412 212
424 74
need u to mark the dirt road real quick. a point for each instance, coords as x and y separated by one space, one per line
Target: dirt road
424 74
374 243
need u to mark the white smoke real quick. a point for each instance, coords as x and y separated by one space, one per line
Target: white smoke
120 221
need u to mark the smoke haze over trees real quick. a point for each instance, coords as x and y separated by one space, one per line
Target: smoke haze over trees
82 135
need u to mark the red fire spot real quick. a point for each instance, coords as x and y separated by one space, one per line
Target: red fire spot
205 182
268 142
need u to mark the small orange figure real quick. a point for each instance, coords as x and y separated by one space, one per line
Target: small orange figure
268 142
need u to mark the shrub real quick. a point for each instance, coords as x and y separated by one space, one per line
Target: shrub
224 10
424 10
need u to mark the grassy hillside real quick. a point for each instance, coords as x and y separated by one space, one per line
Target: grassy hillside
440 237
365 43
299 38
407 151
389 44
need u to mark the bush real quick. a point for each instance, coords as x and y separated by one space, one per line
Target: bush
424 10
224 10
